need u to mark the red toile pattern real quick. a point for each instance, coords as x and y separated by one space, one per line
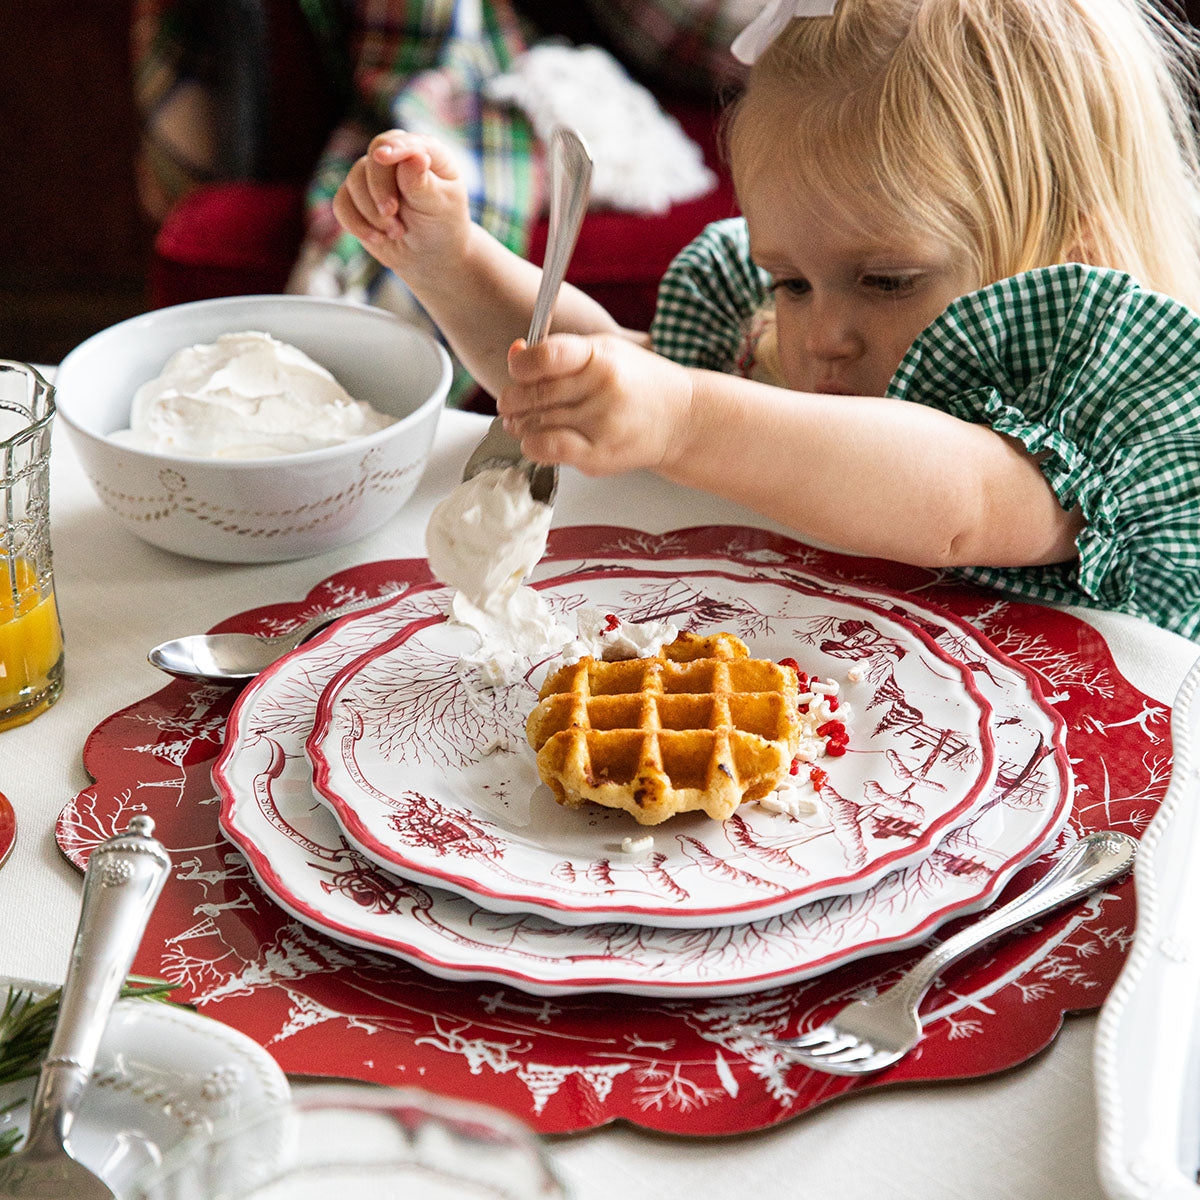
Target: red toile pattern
674 1062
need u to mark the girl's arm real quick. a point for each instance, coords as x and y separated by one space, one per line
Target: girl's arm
484 300
866 474
406 202
873 475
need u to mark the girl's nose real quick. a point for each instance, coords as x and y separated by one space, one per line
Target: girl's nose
830 330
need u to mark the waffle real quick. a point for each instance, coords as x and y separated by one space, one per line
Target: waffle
699 726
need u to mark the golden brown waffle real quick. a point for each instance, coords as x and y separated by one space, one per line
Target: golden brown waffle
699 726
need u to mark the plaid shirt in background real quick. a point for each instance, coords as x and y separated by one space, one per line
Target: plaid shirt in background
420 65
414 64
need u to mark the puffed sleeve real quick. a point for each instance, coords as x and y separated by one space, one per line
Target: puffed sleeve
1100 379
707 298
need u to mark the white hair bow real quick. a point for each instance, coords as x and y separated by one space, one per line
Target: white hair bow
766 27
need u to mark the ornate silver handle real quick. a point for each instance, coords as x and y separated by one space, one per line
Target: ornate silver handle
1088 864
123 880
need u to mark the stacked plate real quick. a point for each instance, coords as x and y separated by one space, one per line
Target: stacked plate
384 798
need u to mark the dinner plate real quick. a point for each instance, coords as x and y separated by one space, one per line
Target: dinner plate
161 1073
1147 1054
403 750
301 858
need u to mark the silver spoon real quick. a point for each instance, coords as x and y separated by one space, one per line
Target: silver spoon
236 657
570 182
124 877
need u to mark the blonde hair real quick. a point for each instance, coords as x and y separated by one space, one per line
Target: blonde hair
1027 132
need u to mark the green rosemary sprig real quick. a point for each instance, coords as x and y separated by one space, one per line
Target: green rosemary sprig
26 1025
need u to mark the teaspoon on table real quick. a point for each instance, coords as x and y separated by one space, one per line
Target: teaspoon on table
237 657
570 183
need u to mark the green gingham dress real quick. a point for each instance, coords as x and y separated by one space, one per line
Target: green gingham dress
1087 369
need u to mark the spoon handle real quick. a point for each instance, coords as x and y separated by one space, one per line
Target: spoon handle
300 632
121 886
570 183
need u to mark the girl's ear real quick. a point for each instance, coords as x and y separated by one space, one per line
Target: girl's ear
1082 248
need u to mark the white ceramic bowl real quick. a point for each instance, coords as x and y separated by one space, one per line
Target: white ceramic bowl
262 509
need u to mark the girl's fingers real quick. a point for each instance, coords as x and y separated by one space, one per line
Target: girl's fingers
412 165
422 178
360 195
562 417
437 157
559 355
381 186
391 145
522 399
352 220
565 446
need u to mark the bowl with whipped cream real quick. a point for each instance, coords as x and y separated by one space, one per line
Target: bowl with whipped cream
255 428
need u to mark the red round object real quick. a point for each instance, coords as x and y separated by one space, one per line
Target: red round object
8 827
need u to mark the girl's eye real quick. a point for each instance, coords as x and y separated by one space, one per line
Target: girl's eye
891 285
791 287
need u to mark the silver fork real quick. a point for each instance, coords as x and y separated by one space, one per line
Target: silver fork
570 182
868 1035
124 877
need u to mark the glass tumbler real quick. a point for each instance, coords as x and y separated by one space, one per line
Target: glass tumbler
31 644
354 1142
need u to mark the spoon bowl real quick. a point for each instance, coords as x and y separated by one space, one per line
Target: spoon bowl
223 657
238 657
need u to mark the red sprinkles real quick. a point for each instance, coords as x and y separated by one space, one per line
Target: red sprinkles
834 732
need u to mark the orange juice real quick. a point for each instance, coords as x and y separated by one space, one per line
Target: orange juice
31 648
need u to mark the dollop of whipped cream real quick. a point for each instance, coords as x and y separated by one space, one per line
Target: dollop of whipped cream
246 395
601 635
484 540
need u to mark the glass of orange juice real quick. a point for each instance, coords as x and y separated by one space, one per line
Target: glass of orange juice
31 644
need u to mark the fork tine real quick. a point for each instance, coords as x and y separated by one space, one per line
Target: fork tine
857 1052
814 1037
859 1066
835 1044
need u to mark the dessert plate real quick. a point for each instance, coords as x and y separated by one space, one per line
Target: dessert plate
162 1073
299 855
403 750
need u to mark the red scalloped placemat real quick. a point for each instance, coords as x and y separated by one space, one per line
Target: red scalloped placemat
565 1064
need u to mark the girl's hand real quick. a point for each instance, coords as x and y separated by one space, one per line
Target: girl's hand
600 403
405 201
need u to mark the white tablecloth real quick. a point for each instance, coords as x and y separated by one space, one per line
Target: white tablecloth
1029 1133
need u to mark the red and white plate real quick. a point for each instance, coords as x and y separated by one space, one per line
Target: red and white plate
300 856
403 752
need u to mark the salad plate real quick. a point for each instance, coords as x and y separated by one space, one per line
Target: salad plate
162 1073
430 776
302 859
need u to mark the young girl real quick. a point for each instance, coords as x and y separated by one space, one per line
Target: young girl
898 350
